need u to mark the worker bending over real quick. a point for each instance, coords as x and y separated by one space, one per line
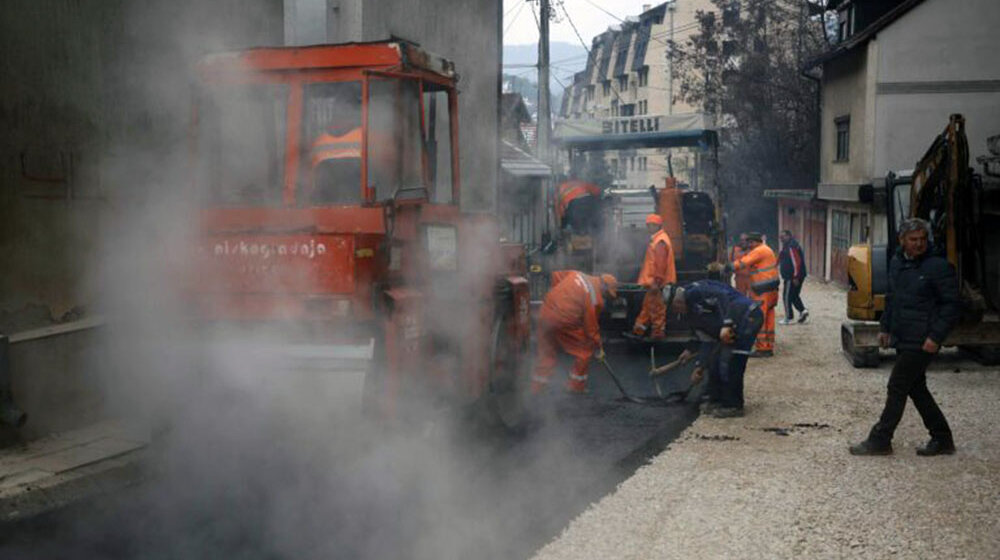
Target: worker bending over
725 324
568 320
742 278
762 266
658 270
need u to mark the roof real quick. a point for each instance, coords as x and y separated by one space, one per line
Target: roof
343 55
867 33
515 161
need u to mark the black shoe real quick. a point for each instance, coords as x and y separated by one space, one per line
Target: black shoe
804 316
867 447
727 412
936 447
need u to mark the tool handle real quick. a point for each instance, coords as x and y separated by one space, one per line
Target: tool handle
667 368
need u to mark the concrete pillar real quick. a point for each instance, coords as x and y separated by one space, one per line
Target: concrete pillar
305 22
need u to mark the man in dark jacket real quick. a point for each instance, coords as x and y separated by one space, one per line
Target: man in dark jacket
792 265
725 325
922 306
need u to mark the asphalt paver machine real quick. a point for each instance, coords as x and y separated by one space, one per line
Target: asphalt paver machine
331 220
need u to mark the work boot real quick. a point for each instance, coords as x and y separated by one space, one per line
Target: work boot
727 412
576 388
762 354
804 316
868 447
936 447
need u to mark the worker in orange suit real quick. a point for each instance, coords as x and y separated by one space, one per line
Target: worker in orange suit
568 321
742 277
572 190
658 270
762 266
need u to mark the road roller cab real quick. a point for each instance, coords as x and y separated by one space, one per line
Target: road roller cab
330 182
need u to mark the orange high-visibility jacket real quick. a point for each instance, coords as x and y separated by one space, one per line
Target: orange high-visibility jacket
572 190
762 265
327 146
658 267
574 302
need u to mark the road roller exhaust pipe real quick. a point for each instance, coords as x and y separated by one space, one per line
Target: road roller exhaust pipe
10 414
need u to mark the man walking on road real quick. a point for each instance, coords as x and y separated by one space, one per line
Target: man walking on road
922 306
792 264
762 265
658 270
725 323
568 321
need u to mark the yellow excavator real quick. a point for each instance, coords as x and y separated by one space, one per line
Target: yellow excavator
963 208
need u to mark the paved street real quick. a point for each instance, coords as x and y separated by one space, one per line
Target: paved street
463 494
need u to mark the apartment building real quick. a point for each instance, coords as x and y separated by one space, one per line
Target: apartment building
629 74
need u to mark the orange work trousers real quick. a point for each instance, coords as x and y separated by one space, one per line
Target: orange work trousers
765 338
654 313
551 339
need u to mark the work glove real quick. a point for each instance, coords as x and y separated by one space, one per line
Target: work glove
727 335
599 354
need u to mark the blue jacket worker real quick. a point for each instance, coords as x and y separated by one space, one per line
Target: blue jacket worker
922 306
725 324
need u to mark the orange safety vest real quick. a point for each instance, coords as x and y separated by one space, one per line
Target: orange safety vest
327 146
763 268
668 272
572 190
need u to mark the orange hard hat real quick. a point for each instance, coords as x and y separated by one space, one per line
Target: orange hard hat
654 219
611 284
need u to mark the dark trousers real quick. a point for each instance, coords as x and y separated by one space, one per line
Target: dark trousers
909 379
725 376
790 298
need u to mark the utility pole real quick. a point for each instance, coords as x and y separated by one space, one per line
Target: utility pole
671 7
543 136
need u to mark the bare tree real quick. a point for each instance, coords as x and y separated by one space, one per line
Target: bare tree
745 67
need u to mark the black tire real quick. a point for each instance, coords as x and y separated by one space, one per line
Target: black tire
858 357
505 398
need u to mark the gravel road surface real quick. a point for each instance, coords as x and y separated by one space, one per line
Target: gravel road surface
779 483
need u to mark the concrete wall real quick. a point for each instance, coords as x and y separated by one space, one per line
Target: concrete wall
937 59
846 93
94 108
89 85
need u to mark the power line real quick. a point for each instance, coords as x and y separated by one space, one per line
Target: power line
514 19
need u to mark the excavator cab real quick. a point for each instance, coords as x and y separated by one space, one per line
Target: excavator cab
331 217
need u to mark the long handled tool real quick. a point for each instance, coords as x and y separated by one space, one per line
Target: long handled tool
674 396
625 395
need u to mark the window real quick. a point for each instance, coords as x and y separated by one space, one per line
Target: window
438 141
623 83
394 138
614 108
643 76
643 107
843 127
241 144
590 93
330 169
628 110
606 86
840 230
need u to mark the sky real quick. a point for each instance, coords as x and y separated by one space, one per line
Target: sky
591 17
